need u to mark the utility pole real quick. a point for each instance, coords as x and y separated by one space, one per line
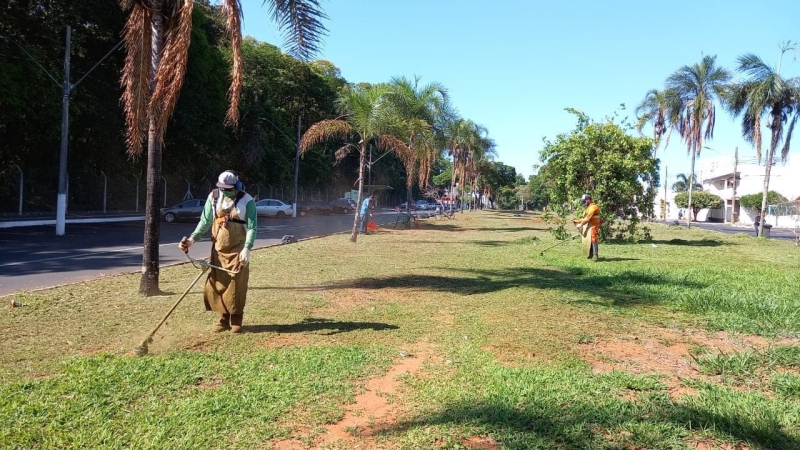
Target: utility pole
66 91
735 182
61 202
296 163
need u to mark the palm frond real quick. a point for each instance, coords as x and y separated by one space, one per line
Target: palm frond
788 140
171 69
301 23
325 130
398 147
138 35
233 21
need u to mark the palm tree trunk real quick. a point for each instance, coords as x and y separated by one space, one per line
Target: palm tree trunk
362 162
773 144
453 179
148 285
691 187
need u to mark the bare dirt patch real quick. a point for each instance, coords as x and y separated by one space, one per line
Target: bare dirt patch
481 442
663 352
374 410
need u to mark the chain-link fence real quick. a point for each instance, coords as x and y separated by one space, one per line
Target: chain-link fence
30 193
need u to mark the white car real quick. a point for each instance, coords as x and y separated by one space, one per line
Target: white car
274 208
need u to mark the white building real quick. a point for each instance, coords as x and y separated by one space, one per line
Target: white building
717 177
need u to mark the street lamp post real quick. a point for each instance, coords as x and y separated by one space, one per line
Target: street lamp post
296 144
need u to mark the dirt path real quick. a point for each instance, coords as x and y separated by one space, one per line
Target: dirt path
376 409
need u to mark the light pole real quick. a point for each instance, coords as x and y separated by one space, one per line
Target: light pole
66 90
296 155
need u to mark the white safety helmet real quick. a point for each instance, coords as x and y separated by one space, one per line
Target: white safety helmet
586 199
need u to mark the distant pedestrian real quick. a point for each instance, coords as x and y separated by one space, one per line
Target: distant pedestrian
367 205
757 222
680 214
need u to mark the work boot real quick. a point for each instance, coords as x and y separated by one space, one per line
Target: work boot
222 324
595 251
236 323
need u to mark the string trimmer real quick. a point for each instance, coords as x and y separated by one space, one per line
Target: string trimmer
142 349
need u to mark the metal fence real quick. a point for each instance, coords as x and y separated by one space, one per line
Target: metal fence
32 193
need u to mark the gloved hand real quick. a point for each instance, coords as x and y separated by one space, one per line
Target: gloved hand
244 257
185 243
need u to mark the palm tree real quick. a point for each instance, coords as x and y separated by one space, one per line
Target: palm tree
682 185
765 92
366 118
458 135
655 109
417 111
693 92
157 35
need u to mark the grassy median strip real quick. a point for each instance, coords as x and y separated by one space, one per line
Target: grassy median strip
690 339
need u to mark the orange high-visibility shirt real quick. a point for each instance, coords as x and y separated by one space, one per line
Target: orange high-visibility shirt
591 214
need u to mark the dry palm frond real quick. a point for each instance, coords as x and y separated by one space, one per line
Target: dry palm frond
233 15
323 131
172 67
398 147
342 152
138 35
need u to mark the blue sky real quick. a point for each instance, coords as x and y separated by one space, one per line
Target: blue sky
514 65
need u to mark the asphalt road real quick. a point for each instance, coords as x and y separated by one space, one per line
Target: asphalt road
35 258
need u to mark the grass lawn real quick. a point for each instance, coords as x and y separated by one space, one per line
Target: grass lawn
455 335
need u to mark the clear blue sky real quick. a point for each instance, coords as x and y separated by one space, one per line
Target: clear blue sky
514 65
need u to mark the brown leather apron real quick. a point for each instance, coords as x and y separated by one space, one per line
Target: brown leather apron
226 293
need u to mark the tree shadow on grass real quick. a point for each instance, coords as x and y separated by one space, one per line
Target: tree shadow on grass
312 324
543 423
625 288
693 242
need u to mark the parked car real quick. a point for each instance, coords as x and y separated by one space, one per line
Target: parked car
274 208
404 205
187 210
343 205
317 207
421 204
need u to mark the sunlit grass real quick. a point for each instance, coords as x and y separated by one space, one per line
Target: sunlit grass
504 330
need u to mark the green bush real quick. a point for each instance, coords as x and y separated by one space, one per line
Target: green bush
754 200
700 199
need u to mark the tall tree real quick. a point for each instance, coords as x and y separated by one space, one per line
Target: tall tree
417 109
157 36
601 159
366 120
694 90
764 92
654 109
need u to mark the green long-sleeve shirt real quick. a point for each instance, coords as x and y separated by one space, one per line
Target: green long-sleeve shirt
251 217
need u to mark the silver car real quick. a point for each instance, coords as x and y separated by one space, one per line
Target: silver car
273 208
188 210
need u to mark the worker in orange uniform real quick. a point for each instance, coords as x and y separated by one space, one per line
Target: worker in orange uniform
588 226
